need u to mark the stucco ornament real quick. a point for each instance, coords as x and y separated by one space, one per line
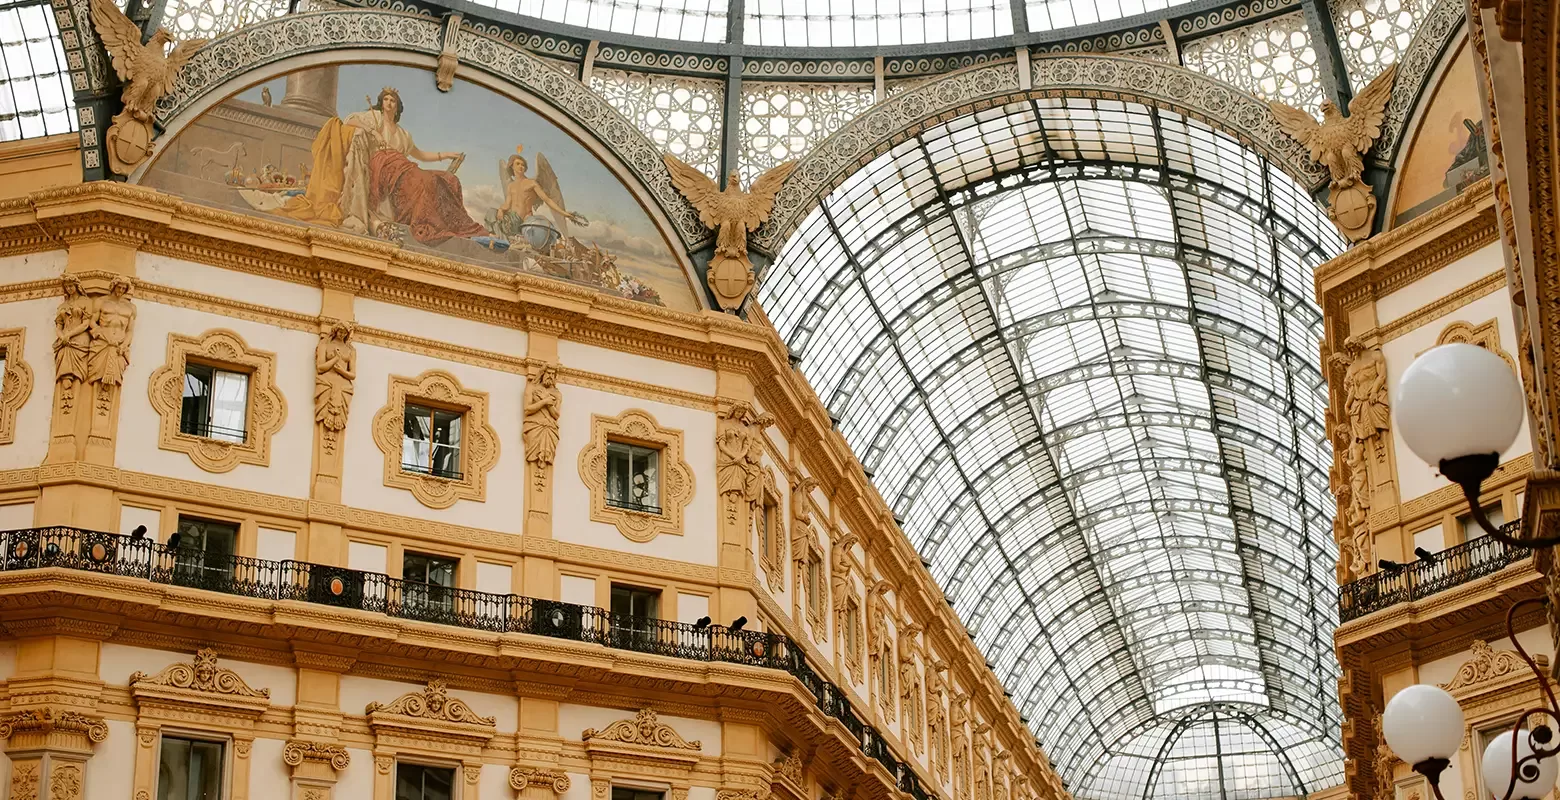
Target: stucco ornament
201 675
739 452
1360 437
643 729
434 703
335 368
522 777
734 213
113 322
148 71
543 404
72 339
1339 143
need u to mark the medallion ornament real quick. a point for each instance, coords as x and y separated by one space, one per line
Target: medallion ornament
265 410
1339 143
733 213
675 474
643 729
148 72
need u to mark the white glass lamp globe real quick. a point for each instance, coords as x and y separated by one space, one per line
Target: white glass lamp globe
1458 400
1422 722
1497 769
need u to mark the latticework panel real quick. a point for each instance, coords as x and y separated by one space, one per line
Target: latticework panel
1375 33
782 121
681 115
1272 59
206 19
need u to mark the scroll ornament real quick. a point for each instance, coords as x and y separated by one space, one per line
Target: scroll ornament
643 729
1339 143
790 768
432 703
522 777
335 367
202 675
148 72
1487 664
733 213
298 751
48 720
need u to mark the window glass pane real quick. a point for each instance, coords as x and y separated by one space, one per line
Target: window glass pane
633 477
189 770
2 373
646 486
416 433
617 473
422 782
195 414
446 443
229 405
428 569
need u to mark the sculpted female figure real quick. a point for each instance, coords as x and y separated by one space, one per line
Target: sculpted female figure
335 366
72 334
731 451
110 351
542 405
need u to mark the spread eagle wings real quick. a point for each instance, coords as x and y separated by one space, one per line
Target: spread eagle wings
733 206
548 180
121 37
761 196
182 52
702 193
1368 109
1352 135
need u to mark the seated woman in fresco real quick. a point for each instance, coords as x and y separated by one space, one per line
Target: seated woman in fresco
364 176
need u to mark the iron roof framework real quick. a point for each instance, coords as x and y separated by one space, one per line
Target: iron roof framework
1073 342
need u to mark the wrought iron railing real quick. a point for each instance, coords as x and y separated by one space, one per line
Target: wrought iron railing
139 557
1451 567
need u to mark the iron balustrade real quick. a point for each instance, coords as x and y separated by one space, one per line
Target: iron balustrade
113 554
1454 566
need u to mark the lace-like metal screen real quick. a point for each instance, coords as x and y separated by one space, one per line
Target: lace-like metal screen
1075 343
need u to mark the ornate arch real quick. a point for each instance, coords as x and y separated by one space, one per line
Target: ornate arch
967 91
1418 68
216 67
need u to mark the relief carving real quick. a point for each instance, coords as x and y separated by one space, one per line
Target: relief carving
1360 441
148 71
202 675
936 717
522 777
298 751
65 782
335 368
72 340
49 720
643 729
543 403
432 703
24 780
733 213
1386 762
1487 664
739 453
113 321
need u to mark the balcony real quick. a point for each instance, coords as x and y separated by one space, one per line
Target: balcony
112 554
1451 567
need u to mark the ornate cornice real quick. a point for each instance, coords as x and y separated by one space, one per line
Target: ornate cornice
201 675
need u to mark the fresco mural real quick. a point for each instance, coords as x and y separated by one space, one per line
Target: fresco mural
1449 151
377 150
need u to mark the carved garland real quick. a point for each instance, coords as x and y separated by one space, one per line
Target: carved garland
479 444
298 751
265 408
16 380
635 426
47 720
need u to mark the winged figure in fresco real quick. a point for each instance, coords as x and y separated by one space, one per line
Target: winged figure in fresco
733 213
1338 142
148 70
523 195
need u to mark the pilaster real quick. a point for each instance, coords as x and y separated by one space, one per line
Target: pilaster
335 376
51 730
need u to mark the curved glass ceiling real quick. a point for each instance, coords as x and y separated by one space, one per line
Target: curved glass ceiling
1074 342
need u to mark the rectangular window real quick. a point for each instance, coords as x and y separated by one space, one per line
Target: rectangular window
203 551
2 371
633 477
427 582
1470 526
625 793
189 769
430 443
216 403
634 615
423 782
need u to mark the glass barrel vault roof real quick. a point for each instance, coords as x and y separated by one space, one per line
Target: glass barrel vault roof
1074 342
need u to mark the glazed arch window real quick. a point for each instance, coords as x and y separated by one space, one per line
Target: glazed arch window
215 403
424 782
191 768
634 477
430 443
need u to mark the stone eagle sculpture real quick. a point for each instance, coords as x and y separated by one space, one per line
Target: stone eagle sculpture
1340 143
733 213
148 72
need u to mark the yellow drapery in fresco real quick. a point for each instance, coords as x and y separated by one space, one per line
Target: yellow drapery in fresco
321 201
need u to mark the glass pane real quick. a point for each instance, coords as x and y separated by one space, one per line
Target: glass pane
229 406
446 444
646 483
415 435
618 473
189 770
422 782
195 414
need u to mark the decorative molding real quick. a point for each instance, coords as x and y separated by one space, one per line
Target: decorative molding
16 380
644 729
201 676
49 719
1485 335
479 443
1416 71
1430 312
521 778
265 410
431 703
636 426
297 751
771 513
1488 665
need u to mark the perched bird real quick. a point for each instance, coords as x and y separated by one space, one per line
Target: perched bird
138 534
737 623
1389 567
1424 555
147 73
702 623
1338 142
265 96
173 541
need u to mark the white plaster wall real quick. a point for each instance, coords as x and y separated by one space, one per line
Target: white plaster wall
691 607
1441 283
32 267
241 286
494 782
504 709
701 793
367 557
577 589
16 515
292 447
579 787
1442 670
357 692
1415 477
358 778
32 419
636 367
268 775
130 517
272 544
113 763
439 327
573 719
363 479
116 662
571 498
495 578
